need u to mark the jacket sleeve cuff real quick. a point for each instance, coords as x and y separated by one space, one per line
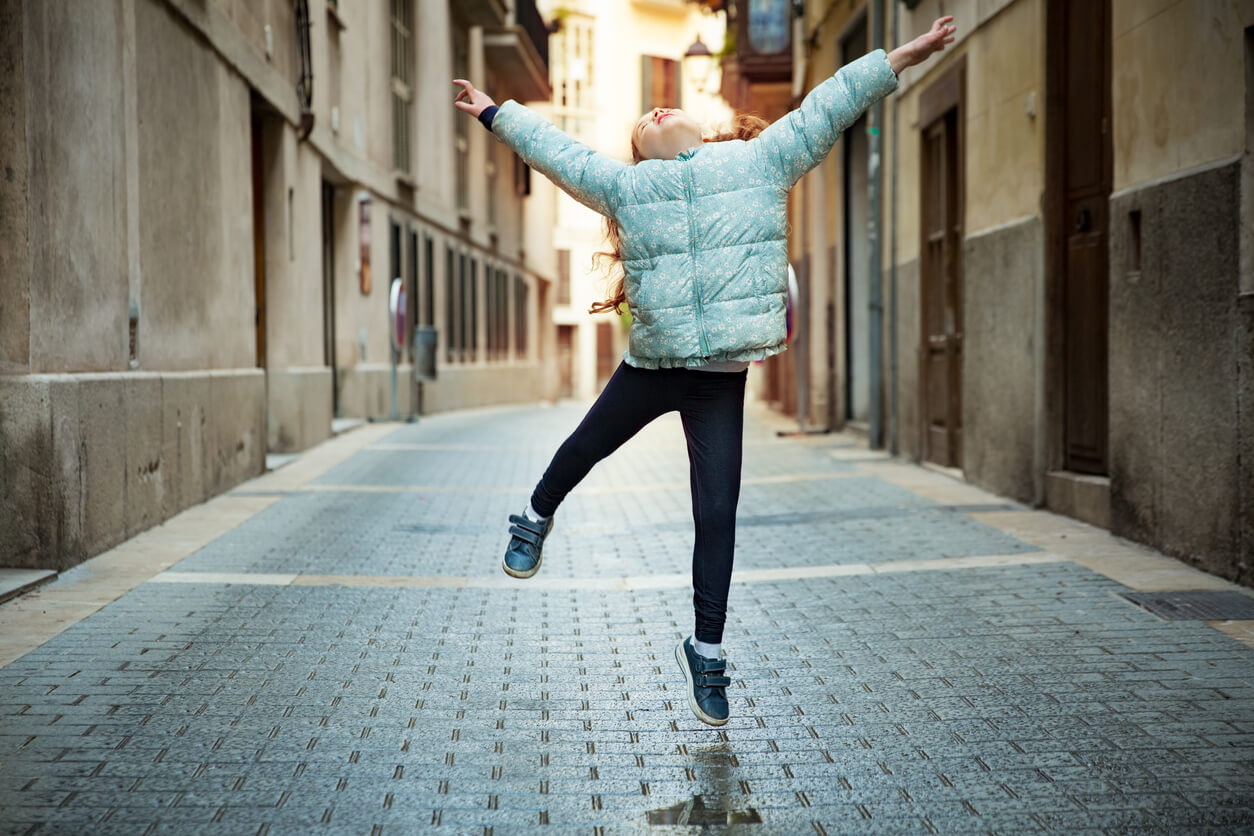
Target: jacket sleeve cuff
487 115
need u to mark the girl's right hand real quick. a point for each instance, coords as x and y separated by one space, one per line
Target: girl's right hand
475 101
918 50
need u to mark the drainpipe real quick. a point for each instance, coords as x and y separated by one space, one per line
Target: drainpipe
892 271
876 305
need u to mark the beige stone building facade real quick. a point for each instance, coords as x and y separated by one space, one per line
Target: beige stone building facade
203 207
1062 298
610 62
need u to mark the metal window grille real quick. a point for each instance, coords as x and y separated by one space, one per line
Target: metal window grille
402 92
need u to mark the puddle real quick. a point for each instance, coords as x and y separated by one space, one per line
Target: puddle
695 812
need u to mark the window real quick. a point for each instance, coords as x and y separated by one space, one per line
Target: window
428 286
522 177
489 296
413 281
563 277
489 169
571 70
520 317
463 274
501 314
402 93
451 336
659 83
472 311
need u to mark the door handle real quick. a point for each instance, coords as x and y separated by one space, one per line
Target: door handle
1083 221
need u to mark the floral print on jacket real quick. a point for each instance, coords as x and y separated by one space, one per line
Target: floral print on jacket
704 249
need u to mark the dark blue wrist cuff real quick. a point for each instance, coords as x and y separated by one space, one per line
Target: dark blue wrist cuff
487 115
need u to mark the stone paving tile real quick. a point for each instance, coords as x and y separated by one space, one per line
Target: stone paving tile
1007 699
456 526
947 701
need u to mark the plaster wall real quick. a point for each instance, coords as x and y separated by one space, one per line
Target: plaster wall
75 141
293 245
433 104
14 185
249 19
1004 130
195 233
1167 120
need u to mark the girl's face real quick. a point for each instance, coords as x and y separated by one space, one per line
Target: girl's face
662 133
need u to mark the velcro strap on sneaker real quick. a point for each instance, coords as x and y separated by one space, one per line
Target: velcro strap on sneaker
709 680
529 524
526 534
706 664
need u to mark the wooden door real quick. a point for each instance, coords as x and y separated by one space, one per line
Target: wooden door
605 352
565 361
941 367
1084 225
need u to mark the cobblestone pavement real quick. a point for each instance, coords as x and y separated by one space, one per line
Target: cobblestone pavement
351 659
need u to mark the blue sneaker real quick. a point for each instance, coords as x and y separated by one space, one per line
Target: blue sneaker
707 687
522 555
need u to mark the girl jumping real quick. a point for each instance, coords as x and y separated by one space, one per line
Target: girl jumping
698 226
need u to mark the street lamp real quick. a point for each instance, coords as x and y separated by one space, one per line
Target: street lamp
698 64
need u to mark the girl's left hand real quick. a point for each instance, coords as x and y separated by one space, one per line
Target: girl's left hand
918 50
476 101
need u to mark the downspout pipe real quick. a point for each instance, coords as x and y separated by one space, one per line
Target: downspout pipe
876 304
892 268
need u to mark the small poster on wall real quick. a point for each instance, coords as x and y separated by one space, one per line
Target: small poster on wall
363 237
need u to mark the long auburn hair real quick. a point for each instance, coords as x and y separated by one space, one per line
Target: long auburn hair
745 126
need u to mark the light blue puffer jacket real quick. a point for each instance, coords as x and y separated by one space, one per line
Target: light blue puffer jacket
704 252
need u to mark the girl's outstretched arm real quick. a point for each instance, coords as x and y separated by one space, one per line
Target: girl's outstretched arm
592 179
799 141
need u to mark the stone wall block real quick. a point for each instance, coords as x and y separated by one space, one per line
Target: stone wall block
908 342
1174 372
146 463
25 486
1244 566
237 421
1200 286
184 439
103 457
1135 347
1001 274
298 413
67 471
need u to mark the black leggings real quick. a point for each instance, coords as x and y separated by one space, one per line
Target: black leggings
711 405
